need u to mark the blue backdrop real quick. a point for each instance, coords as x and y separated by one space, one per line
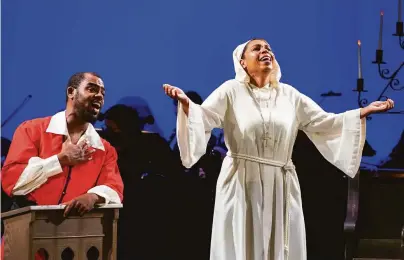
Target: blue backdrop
139 45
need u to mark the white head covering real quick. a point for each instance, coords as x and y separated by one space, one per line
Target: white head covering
241 74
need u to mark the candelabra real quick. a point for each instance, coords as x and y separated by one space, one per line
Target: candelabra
393 82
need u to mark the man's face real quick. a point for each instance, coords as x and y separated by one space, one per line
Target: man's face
89 98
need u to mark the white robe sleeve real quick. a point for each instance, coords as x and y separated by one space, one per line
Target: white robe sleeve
339 137
194 130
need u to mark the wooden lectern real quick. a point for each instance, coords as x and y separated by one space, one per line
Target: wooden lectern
43 229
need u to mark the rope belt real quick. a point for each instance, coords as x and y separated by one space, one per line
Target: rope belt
286 166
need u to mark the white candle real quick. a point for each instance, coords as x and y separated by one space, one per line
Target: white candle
359 60
381 30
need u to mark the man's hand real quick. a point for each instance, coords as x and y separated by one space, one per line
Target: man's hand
82 204
73 154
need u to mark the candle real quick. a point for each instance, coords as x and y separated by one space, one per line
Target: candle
359 60
380 31
399 10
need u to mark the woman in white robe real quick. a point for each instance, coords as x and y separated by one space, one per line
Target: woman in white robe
258 209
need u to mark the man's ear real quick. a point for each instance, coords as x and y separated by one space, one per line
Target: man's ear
71 92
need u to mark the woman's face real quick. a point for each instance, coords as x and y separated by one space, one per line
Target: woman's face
257 57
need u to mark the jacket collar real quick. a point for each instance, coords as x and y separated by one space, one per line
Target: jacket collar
58 125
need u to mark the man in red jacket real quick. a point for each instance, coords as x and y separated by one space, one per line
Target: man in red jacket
62 159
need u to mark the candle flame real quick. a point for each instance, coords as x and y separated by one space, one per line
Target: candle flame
359 42
381 13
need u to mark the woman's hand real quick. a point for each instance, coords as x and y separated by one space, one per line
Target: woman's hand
377 107
178 94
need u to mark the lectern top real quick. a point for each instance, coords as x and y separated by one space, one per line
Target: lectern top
51 207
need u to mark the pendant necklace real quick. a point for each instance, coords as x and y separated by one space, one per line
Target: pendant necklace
266 138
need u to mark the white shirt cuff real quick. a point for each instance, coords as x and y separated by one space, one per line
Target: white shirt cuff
36 173
51 166
107 193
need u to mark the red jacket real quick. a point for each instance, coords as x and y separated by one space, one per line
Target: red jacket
31 139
